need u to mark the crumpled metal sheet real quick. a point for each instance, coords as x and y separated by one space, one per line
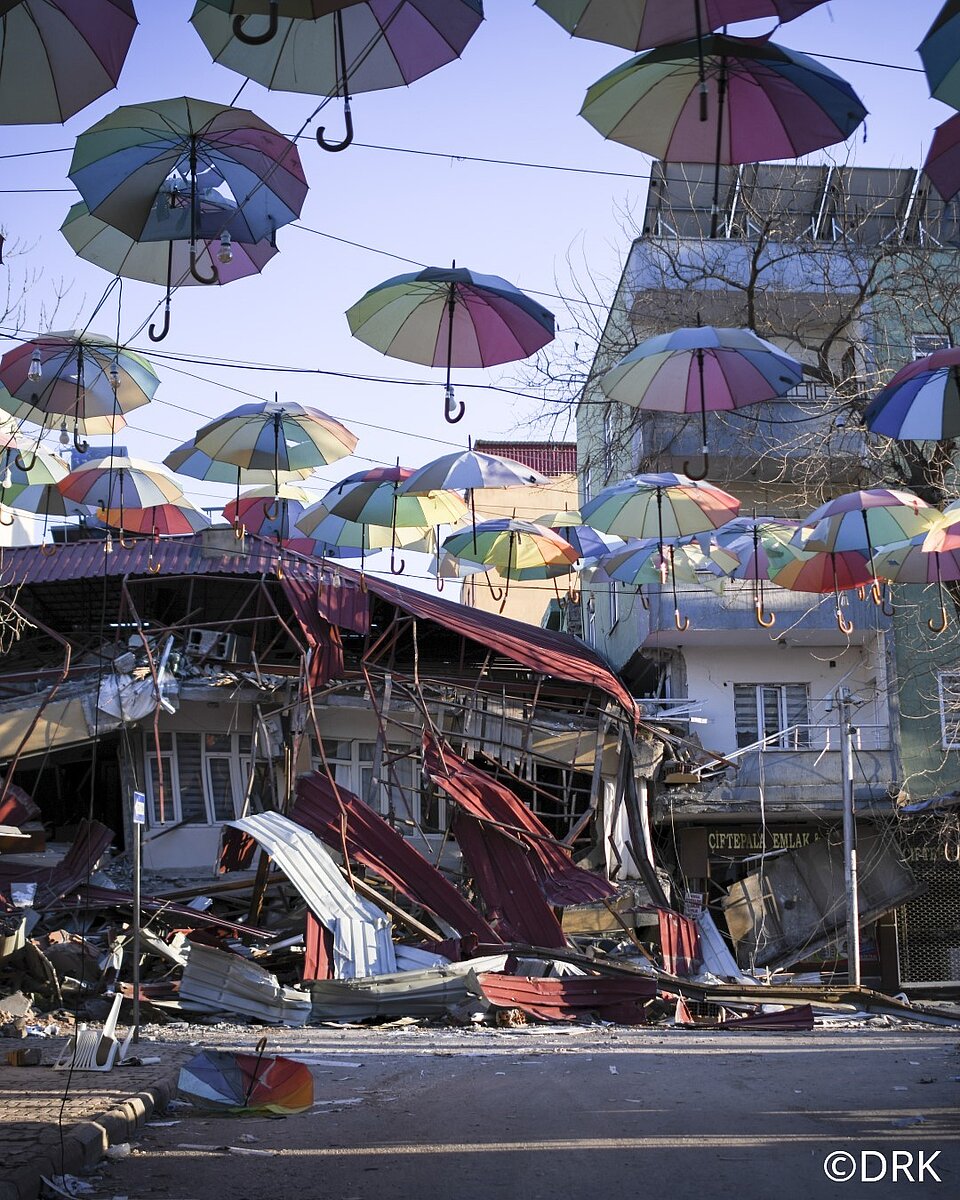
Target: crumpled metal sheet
221 982
362 942
567 999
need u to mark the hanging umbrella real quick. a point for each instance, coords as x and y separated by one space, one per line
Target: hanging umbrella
267 514
511 545
642 24
222 1080
821 571
16 475
78 379
862 520
134 167
750 539
911 562
587 541
58 56
117 485
701 369
451 318
171 519
942 164
768 102
165 263
358 47
660 506
921 402
938 53
273 10
337 537
373 497
646 561
268 435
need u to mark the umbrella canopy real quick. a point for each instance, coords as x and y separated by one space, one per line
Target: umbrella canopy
642 24
939 54
219 1079
587 541
922 401
58 56
318 523
824 571
467 470
660 506
176 517
18 475
266 514
517 549
187 459
944 531
75 379
864 519
766 102
942 164
701 369
116 484
369 498
647 561
269 436
451 317
751 539
913 562
134 167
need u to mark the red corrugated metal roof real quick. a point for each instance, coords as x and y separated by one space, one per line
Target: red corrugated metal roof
568 998
542 650
549 458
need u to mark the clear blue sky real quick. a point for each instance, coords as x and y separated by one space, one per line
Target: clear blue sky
515 95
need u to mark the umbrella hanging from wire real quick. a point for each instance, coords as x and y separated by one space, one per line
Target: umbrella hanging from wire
664 505
922 401
268 435
939 54
82 379
451 317
116 486
356 47
863 520
723 100
273 10
644 24
701 369
135 168
261 512
58 56
750 539
165 263
911 562
511 545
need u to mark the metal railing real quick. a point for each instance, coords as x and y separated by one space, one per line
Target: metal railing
816 738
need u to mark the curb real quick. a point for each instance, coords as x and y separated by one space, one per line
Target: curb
85 1143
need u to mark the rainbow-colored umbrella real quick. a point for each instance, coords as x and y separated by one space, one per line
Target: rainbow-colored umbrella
647 562
58 56
912 562
269 514
642 24
343 48
451 317
922 401
513 546
750 539
220 1079
823 571
699 370
939 55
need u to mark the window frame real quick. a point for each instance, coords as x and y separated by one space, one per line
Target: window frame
778 738
237 757
949 739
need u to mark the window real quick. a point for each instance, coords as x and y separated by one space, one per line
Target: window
948 683
204 776
923 344
609 437
762 710
400 796
613 603
588 484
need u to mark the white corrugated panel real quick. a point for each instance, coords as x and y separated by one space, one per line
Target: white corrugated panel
223 982
362 943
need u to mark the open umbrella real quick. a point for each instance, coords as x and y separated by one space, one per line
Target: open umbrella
221 1079
912 562
135 167
922 401
750 539
701 369
642 24
660 506
339 537
768 102
939 54
267 514
942 164
451 317
821 571
115 483
646 561
863 520
267 435
273 10
357 47
511 546
58 56
587 541
164 263
75 379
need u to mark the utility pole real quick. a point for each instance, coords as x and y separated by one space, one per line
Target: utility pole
844 709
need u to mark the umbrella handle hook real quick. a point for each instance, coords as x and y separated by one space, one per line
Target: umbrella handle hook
154 567
495 592
764 620
845 626
394 569
164 328
48 549
214 277
439 583
239 529
258 39
273 509
21 464
938 628
5 522
127 545
886 602
335 147
79 444
691 474
453 410
682 623
876 593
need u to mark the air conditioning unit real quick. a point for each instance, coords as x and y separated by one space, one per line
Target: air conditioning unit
211 643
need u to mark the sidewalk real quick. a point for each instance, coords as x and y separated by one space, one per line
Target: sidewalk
101 1110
